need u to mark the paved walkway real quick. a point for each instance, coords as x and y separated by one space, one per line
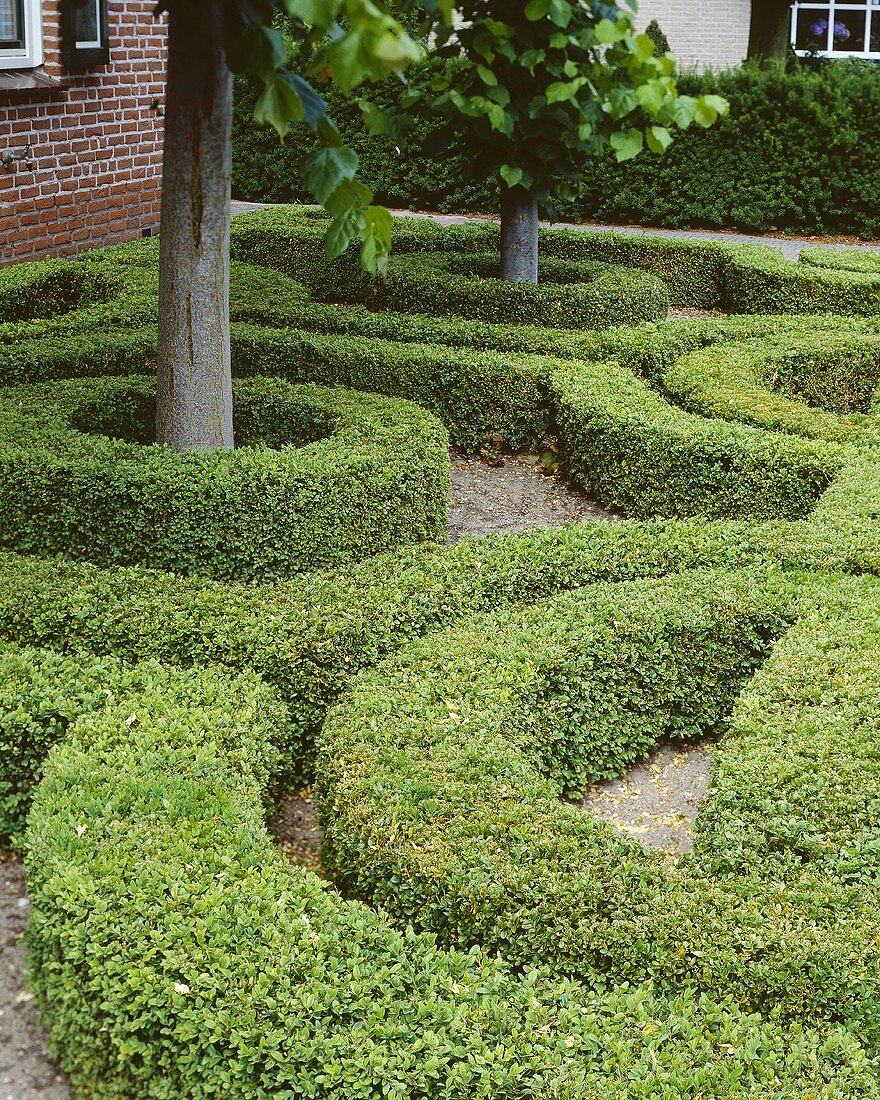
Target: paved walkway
791 246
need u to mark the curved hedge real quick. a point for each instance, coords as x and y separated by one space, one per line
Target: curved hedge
447 284
242 976
822 392
521 949
440 776
319 477
698 274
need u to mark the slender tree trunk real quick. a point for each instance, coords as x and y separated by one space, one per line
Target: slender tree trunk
519 235
194 387
770 28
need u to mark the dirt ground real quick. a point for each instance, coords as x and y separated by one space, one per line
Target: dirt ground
512 493
658 799
26 1070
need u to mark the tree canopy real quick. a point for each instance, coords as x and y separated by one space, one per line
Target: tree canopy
548 84
353 41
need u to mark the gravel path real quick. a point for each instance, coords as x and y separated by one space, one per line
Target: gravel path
512 493
658 799
791 246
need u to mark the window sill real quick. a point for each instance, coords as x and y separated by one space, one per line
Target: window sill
26 80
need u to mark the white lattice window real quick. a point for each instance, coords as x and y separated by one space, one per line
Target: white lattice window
836 30
21 39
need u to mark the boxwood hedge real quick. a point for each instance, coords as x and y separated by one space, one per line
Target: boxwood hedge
320 476
494 941
570 294
698 274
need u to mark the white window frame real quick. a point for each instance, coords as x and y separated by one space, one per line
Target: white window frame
30 56
870 9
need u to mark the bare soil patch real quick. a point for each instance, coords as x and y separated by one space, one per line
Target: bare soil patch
26 1070
658 799
513 493
296 830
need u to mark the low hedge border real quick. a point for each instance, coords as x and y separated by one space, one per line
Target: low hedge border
570 295
698 274
107 290
436 807
626 445
242 976
371 472
309 636
827 392
248 986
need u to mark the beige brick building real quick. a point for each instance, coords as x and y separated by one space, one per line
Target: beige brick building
704 33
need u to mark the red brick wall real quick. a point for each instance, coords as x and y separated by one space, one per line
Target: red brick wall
96 143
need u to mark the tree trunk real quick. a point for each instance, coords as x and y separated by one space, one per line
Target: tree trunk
194 385
519 235
770 28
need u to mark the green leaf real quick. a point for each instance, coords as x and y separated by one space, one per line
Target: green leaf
652 96
511 176
323 171
279 105
341 233
314 13
375 118
376 235
537 9
658 138
607 33
644 47
627 144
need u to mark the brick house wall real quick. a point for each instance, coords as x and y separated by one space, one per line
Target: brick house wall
710 34
93 173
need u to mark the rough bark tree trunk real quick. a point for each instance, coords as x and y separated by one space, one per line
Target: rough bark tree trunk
770 28
194 385
519 235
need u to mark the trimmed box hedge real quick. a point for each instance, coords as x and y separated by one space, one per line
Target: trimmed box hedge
320 477
523 950
242 976
569 294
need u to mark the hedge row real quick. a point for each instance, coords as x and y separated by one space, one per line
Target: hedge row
569 294
463 708
822 391
254 981
620 439
698 274
797 153
634 451
242 976
440 773
319 477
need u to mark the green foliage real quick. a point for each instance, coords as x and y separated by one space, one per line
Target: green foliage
349 42
340 476
444 697
797 153
469 738
578 295
548 87
655 32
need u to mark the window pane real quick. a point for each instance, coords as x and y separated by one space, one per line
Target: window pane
875 31
11 25
87 33
849 31
812 28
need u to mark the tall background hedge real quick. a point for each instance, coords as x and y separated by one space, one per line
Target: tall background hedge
799 152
